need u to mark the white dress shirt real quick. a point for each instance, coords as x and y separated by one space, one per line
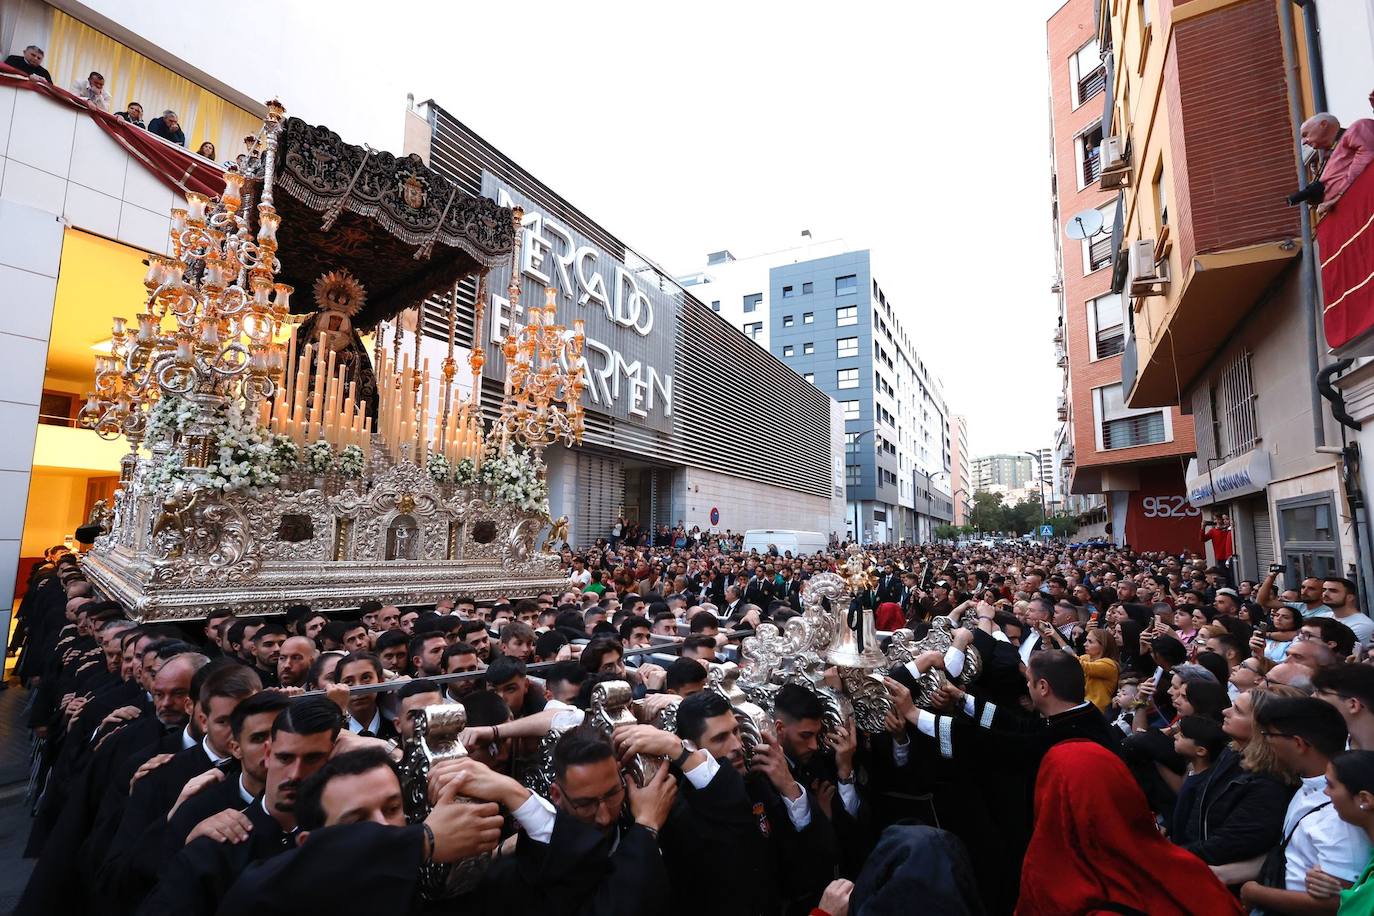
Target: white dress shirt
1321 838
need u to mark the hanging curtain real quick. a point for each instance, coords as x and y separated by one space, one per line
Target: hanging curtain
76 49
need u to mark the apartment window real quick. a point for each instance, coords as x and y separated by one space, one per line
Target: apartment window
847 315
853 475
789 292
715 305
806 288
851 409
1120 427
1097 250
1088 149
808 317
810 377
847 378
1161 198
1087 75
846 285
808 348
752 302
754 329
1106 332
1233 409
846 346
788 351
787 321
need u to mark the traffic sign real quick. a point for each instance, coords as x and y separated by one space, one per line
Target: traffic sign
715 516
1046 531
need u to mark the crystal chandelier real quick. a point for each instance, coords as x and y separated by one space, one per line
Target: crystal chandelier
208 328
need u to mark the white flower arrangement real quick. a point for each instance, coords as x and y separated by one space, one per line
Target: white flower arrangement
319 457
350 462
438 467
169 416
242 454
286 454
465 472
517 478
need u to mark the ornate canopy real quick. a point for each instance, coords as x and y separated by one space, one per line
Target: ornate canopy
403 230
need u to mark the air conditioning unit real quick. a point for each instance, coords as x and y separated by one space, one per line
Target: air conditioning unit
1145 273
1116 168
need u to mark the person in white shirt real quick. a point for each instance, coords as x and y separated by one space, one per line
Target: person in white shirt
1305 734
92 90
1343 598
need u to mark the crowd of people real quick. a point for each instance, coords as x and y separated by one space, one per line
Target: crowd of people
1144 736
91 90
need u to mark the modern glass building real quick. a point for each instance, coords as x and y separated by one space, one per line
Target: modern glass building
820 309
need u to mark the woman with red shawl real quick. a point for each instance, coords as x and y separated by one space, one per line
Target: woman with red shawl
1095 849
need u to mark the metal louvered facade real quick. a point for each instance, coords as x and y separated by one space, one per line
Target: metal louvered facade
736 409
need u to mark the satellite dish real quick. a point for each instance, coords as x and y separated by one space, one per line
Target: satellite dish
1083 225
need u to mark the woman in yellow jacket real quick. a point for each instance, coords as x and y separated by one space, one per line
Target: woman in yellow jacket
1100 666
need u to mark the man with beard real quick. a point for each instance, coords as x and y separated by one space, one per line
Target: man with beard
266 649
301 740
752 815
426 654
226 788
133 859
584 852
293 663
829 772
461 658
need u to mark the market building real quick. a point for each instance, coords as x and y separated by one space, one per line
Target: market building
688 422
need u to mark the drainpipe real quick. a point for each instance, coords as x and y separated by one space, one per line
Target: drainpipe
1311 32
1311 293
1354 494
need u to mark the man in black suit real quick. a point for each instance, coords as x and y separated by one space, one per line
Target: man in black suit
133 859
829 772
1007 744
223 788
751 826
890 584
301 740
760 588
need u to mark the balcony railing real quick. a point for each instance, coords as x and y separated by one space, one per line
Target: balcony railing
1091 84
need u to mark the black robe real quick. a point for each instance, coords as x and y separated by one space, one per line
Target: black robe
133 857
214 798
195 881
736 834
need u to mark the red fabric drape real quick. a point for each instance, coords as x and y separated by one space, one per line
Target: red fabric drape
1345 240
175 167
1095 844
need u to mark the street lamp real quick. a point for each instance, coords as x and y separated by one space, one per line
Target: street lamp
858 522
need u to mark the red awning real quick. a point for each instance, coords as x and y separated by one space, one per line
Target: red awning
179 169
1345 240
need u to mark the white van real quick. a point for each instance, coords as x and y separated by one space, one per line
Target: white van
799 543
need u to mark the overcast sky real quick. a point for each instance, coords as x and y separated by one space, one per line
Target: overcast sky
918 130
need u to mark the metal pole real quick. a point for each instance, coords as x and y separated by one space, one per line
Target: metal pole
670 648
1311 290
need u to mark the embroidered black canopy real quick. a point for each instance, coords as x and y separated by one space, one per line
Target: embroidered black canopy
403 230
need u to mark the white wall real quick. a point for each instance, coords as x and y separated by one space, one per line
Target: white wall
745 504
57 169
1347 44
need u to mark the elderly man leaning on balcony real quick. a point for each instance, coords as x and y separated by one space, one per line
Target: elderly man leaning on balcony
1351 150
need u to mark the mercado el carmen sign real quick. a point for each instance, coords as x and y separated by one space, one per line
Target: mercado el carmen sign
631 325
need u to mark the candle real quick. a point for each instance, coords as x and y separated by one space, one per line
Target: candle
327 412
312 428
422 447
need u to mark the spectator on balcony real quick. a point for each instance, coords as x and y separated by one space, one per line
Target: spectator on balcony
207 149
168 127
30 62
1350 151
133 113
92 91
